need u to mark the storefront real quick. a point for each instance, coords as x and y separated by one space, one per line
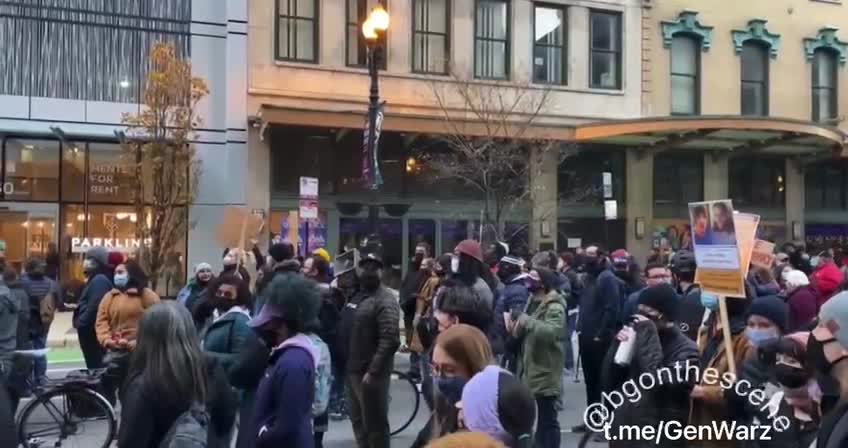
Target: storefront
60 198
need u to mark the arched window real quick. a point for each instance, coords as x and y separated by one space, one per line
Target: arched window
755 70
685 75
824 85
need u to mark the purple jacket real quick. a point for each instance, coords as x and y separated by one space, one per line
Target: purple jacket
802 307
283 412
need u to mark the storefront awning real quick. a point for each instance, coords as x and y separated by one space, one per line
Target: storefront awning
729 135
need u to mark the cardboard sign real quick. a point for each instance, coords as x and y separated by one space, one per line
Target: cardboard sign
717 251
239 225
763 254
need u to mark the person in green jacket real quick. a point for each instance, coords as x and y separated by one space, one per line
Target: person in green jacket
540 331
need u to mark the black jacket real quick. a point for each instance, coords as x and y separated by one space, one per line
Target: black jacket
374 334
600 306
690 313
668 400
834 428
147 416
409 289
8 432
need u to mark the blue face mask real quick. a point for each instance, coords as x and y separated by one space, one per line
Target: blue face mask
451 387
759 337
709 301
121 280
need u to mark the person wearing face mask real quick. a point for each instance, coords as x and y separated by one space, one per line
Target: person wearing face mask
597 323
540 330
802 299
623 265
343 289
411 284
283 412
468 268
655 274
196 287
709 404
692 312
118 317
496 403
513 298
659 344
98 275
374 338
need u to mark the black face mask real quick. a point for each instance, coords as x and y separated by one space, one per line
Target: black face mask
790 377
816 358
416 261
370 281
594 266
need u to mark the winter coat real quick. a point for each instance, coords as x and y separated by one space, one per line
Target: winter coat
8 432
513 297
600 305
690 313
484 293
803 305
283 267
245 373
541 357
43 298
225 336
375 334
713 406
826 279
146 416
409 288
10 307
668 401
85 316
283 412
189 295
120 312
328 315
832 433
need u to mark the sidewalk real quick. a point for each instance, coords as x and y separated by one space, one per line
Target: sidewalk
62 332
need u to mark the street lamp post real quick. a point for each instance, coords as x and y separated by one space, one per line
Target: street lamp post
373 29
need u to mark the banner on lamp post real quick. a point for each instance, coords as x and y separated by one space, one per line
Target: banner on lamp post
370 153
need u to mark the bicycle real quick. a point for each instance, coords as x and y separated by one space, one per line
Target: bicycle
409 392
61 411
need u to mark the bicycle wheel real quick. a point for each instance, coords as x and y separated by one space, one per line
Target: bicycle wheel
67 417
403 393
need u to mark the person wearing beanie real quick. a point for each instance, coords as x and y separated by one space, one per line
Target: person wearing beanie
468 268
659 344
827 356
541 357
802 299
98 275
196 287
281 260
513 297
496 403
767 320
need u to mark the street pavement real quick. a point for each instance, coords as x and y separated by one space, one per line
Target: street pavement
340 434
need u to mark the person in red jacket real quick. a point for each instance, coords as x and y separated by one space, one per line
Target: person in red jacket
827 278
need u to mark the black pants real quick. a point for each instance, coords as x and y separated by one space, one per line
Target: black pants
369 410
547 429
92 351
592 355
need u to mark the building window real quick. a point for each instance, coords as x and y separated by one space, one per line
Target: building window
755 68
297 30
30 170
757 182
357 48
491 39
430 36
824 86
605 50
826 186
685 75
549 47
93 51
678 180
580 177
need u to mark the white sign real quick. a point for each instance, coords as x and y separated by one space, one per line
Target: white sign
126 245
308 209
574 243
610 210
309 187
607 182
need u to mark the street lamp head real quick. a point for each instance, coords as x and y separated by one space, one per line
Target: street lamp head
379 18
368 30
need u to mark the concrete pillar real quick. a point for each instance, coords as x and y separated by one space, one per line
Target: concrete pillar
258 181
543 193
639 202
795 200
578 46
715 177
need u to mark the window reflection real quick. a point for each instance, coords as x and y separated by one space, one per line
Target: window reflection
31 170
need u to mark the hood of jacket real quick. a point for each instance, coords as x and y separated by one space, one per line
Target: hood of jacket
300 340
287 266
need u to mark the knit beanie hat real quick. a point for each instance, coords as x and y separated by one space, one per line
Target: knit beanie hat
772 308
796 279
115 258
834 316
98 254
281 251
662 298
202 267
471 248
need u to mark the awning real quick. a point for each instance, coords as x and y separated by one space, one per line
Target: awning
722 135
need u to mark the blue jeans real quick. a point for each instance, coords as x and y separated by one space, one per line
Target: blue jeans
571 325
547 430
40 362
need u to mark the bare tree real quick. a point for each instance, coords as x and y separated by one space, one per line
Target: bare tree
163 158
493 145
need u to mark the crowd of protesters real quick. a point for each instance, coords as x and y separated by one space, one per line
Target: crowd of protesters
271 349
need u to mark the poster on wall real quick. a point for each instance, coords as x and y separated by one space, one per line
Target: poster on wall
717 251
675 234
307 234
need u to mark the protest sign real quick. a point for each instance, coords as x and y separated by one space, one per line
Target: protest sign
763 254
717 254
239 225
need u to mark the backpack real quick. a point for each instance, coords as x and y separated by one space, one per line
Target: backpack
190 430
323 377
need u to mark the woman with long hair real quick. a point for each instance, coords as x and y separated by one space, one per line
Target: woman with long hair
226 333
168 376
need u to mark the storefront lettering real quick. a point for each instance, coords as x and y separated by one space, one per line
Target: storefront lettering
104 179
126 245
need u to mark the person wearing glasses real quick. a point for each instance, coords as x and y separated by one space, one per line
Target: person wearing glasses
655 274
